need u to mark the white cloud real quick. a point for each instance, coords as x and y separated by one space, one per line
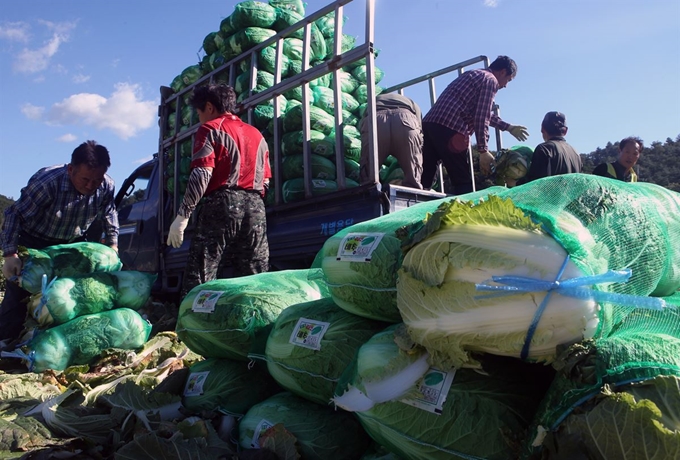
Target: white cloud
38 59
14 31
124 112
491 3
80 78
32 112
67 138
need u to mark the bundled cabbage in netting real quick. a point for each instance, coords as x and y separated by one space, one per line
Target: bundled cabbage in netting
65 260
247 38
481 277
481 416
592 399
311 344
252 14
66 298
81 340
227 386
321 168
294 189
320 433
385 368
360 262
319 120
513 163
419 412
637 420
298 6
223 318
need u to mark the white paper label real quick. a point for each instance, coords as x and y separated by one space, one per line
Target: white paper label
434 387
194 386
308 333
205 301
359 247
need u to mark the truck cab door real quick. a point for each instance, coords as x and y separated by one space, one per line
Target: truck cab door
137 204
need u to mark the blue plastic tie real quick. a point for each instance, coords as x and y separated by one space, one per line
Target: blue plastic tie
571 287
43 298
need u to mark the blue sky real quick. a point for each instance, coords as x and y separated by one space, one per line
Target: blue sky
74 70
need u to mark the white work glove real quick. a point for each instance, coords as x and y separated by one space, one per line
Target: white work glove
11 267
486 159
520 132
176 235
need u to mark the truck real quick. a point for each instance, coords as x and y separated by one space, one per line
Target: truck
148 199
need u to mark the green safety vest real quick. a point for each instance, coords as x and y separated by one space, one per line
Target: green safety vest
612 172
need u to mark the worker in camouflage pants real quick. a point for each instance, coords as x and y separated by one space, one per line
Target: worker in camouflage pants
232 222
229 174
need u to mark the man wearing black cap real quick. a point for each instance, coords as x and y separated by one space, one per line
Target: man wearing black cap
554 156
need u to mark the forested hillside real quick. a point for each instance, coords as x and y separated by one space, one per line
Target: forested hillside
659 162
4 204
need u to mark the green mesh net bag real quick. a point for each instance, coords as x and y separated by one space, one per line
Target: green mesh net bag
246 38
324 98
294 189
322 168
360 262
65 260
297 6
228 386
292 142
617 394
64 299
319 120
320 433
224 318
311 344
252 14
81 340
420 412
552 262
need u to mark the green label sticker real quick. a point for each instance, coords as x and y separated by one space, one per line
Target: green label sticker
359 247
308 333
261 427
195 382
433 388
205 301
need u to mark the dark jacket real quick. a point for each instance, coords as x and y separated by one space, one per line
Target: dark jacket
552 158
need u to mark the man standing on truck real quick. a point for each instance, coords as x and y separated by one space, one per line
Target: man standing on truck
230 171
399 133
57 206
554 156
465 107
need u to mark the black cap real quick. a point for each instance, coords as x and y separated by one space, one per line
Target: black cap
555 119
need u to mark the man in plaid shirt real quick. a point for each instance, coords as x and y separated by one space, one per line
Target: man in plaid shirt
465 107
57 206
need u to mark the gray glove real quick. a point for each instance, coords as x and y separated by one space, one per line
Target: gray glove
519 132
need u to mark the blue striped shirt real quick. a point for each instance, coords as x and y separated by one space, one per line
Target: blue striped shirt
50 208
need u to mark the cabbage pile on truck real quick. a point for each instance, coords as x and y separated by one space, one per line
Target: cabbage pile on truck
250 24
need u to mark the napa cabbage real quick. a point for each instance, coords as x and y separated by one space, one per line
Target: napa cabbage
321 433
464 245
311 345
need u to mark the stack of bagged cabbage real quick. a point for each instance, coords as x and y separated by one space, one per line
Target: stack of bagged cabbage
536 321
249 24
82 303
